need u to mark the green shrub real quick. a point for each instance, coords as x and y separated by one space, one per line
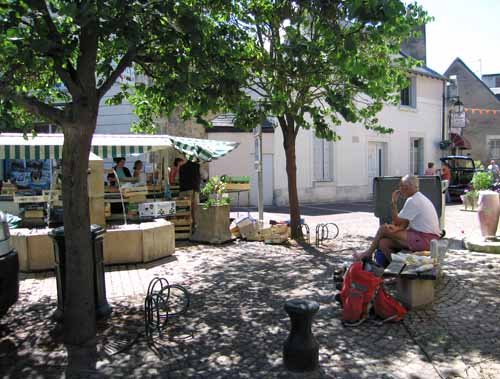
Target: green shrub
482 181
215 190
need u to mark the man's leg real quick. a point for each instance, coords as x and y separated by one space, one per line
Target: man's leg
399 239
389 246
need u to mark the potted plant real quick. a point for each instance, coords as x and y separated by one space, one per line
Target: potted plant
213 218
488 203
445 144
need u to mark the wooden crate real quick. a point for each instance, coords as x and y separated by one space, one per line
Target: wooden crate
182 236
238 186
181 221
183 203
30 199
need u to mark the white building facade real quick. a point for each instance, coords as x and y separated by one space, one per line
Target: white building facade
344 170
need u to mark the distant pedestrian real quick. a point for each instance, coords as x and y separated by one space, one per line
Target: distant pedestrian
430 170
494 169
446 175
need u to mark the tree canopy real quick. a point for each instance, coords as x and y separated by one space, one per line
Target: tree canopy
52 51
318 64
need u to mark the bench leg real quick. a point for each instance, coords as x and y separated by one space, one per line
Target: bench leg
416 292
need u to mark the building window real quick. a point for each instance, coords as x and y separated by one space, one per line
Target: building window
494 149
409 95
497 81
417 156
323 160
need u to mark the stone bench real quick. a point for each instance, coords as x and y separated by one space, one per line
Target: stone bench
416 289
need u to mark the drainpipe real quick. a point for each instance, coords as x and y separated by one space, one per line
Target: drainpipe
443 118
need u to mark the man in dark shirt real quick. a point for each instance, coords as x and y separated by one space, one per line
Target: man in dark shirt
189 185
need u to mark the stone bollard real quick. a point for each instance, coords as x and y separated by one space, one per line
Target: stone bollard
301 350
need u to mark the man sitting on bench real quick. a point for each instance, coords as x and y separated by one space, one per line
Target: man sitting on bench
413 228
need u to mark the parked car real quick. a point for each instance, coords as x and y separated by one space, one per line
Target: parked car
9 269
462 170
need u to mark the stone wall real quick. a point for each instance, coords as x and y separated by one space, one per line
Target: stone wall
174 125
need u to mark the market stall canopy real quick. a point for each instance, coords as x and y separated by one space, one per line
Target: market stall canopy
49 146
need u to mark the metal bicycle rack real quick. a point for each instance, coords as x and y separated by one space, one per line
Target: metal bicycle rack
304 237
326 231
159 305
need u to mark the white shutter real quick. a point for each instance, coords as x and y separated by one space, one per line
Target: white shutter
318 158
413 92
327 157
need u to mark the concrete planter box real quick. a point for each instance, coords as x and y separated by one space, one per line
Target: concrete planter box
213 225
138 243
34 248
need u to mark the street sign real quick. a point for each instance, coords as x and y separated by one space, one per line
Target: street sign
458 120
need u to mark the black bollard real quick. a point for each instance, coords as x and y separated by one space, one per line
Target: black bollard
301 350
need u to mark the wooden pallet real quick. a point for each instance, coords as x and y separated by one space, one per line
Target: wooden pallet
182 236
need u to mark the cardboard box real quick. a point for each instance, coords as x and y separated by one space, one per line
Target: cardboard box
157 209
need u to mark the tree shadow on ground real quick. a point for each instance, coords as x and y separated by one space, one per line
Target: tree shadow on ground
236 324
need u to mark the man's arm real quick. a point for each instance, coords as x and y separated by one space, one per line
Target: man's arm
399 222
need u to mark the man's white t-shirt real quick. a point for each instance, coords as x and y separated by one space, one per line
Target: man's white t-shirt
421 214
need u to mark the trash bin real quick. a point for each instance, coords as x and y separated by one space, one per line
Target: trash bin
101 304
384 186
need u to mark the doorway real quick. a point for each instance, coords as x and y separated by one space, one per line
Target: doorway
417 156
377 157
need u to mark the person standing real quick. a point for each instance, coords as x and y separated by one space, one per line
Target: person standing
121 171
189 185
139 174
174 170
430 170
446 175
494 169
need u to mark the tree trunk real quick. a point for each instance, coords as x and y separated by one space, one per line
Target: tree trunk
291 171
79 302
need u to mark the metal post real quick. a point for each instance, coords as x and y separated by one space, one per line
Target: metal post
259 169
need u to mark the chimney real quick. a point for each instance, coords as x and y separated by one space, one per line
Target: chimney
416 47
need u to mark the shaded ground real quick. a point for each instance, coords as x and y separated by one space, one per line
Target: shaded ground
236 324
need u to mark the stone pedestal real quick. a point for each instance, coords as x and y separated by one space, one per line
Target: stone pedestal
415 292
213 225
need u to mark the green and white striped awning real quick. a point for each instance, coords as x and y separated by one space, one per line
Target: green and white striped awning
49 146
202 149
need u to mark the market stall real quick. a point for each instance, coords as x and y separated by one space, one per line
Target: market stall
29 168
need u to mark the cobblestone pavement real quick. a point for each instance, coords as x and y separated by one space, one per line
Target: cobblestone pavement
236 324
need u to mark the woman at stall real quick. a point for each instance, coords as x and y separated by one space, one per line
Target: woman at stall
139 174
121 171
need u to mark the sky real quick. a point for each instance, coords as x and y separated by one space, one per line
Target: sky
469 29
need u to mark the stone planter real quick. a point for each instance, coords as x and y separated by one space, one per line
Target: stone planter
136 243
470 203
488 212
213 225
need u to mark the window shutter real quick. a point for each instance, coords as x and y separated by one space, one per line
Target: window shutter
318 158
413 95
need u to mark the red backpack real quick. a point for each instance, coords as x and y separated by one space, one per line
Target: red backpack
362 289
388 308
